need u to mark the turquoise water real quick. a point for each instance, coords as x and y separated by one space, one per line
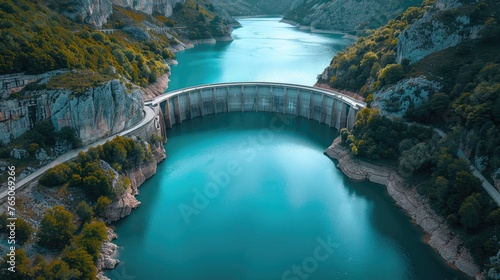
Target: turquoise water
263 50
251 195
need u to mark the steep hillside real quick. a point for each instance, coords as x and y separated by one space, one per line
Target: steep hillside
405 71
65 82
97 12
351 16
238 7
280 7
439 65
256 7
36 38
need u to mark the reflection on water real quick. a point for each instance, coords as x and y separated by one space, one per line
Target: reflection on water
268 220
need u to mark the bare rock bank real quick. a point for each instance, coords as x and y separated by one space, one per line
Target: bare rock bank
449 245
123 206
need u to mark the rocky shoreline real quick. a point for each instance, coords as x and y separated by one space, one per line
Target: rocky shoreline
321 31
124 206
441 238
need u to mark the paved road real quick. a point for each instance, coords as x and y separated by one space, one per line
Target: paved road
492 191
338 95
149 114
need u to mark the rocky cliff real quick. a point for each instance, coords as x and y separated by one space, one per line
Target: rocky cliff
162 7
395 100
256 7
446 24
347 16
97 12
95 113
124 205
449 246
94 12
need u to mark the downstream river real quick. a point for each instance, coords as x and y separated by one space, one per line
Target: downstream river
251 195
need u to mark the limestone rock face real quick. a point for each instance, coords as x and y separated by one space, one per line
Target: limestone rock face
99 112
14 120
436 30
19 153
395 100
256 7
346 15
95 12
163 7
108 249
124 205
96 113
158 87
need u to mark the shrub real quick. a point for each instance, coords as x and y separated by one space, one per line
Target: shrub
79 259
56 229
91 238
56 175
84 212
391 74
101 205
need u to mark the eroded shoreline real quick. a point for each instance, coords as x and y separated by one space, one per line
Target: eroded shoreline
449 245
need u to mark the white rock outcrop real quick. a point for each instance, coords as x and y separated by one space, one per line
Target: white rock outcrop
96 113
97 12
94 12
163 7
106 260
438 28
395 100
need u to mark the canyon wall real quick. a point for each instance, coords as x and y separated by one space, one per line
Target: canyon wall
95 113
346 16
440 27
97 12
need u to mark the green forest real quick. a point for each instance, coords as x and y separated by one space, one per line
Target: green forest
74 232
35 38
467 108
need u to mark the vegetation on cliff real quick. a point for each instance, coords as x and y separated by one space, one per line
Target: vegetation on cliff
91 171
431 164
467 106
42 137
35 38
351 16
469 74
255 7
73 232
199 20
371 62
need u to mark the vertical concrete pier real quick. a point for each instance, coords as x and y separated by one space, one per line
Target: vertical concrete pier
329 107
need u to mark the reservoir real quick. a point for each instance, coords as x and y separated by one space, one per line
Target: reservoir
251 195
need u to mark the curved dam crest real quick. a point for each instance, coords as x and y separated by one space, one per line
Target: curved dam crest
286 212
332 108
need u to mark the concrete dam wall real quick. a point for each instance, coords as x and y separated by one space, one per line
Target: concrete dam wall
332 108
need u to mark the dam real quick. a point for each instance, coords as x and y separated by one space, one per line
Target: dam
332 108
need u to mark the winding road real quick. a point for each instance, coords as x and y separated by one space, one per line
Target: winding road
148 115
492 191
